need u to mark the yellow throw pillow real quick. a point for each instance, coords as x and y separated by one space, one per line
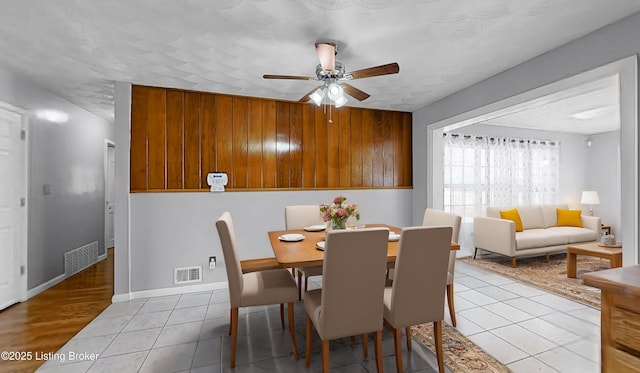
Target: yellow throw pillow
514 216
570 218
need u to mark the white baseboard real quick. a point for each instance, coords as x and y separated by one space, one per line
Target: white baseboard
42 287
169 291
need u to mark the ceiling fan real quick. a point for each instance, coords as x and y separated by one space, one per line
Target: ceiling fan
332 74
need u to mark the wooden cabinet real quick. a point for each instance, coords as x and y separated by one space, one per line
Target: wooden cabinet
620 320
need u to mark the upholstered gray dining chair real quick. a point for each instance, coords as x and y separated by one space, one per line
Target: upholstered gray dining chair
298 217
350 301
416 296
434 217
275 286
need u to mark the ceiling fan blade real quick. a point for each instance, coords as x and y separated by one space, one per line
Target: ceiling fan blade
327 55
307 97
390 68
290 77
355 92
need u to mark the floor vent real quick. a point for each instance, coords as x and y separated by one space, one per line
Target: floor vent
78 259
187 274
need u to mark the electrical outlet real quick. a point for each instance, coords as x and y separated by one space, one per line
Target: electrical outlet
212 262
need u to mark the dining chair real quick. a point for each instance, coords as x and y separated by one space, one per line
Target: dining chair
298 217
274 286
433 217
350 301
416 296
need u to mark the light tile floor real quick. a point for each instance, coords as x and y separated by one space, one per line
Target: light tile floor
527 329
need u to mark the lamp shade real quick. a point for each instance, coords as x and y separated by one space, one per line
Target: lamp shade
590 197
317 96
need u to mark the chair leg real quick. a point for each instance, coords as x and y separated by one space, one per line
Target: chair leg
437 336
513 262
282 315
378 346
548 257
234 336
365 345
292 330
408 333
475 252
397 341
326 366
299 285
230 317
308 344
452 310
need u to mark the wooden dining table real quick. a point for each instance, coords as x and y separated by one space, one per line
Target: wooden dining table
305 253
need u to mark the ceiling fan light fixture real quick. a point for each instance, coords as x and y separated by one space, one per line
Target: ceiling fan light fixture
317 96
334 91
340 101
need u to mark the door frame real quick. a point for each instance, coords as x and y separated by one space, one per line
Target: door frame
23 219
107 145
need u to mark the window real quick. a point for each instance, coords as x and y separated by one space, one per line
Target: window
482 171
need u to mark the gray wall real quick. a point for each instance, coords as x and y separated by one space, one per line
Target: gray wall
170 230
69 158
604 46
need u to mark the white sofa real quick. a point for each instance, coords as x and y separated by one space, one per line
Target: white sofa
540 234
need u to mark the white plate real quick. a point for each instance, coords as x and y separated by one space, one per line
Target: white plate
394 236
320 245
315 228
293 237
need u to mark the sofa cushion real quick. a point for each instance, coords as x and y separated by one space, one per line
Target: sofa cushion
540 237
550 214
513 216
575 234
569 218
531 217
494 212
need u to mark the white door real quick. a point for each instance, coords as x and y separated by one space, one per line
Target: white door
110 175
13 285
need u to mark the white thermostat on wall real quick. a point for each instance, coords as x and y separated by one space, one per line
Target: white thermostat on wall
217 181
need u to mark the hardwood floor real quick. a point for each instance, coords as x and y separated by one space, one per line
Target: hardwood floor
47 321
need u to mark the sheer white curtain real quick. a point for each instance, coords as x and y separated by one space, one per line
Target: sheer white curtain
482 171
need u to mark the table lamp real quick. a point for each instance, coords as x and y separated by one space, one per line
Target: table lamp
590 197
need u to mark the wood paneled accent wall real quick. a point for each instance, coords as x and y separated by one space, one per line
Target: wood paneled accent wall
177 137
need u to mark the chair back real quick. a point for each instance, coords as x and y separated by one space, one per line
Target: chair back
227 234
353 280
420 276
434 217
300 216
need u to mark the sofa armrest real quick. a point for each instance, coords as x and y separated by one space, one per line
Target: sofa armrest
591 223
496 235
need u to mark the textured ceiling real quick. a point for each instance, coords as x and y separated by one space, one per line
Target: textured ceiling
78 48
586 109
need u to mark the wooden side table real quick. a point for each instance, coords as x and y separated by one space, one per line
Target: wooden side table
614 254
620 317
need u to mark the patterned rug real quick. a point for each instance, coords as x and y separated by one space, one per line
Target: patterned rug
460 354
551 277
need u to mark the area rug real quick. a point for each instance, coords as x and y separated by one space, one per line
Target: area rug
551 277
460 354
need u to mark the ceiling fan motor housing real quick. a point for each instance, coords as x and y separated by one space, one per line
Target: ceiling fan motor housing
337 73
